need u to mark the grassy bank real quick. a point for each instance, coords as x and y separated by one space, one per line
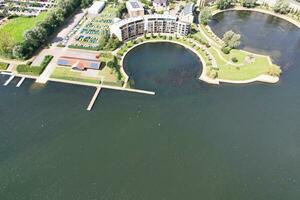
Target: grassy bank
245 66
17 26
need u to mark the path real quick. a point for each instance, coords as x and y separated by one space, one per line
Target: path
216 47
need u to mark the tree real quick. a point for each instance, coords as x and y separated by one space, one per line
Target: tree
86 3
281 7
224 4
110 64
19 51
231 39
103 41
249 3
205 15
121 8
113 43
274 71
6 43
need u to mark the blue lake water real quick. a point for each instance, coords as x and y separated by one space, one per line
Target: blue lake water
191 140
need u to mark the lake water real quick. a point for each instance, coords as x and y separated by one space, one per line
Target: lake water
191 140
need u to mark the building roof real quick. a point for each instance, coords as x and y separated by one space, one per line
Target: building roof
78 63
133 19
134 5
160 1
188 9
97 6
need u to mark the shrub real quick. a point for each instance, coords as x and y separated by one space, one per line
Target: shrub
205 15
35 70
234 59
231 39
110 64
3 66
224 4
226 49
212 73
274 71
83 47
46 61
249 3
281 7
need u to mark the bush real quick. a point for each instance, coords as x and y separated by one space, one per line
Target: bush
46 61
281 7
3 66
83 47
205 15
212 73
274 71
249 3
35 70
226 49
110 64
224 4
234 59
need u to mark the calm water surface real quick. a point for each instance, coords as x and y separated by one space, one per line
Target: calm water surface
190 141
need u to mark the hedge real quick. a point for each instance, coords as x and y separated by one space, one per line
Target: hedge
35 70
3 65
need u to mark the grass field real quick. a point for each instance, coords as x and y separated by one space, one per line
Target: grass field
248 65
67 74
16 27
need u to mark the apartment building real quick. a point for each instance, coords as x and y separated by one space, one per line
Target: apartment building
135 8
133 27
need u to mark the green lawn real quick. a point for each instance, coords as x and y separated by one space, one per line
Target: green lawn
16 27
3 66
247 71
68 74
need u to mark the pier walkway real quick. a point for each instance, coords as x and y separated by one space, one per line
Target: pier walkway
20 82
89 108
9 80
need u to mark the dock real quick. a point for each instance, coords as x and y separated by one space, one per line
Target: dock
89 108
20 82
9 80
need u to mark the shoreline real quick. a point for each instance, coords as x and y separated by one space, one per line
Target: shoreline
260 10
203 76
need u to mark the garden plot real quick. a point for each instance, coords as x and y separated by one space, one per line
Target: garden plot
93 29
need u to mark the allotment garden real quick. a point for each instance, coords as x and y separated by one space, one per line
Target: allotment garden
94 28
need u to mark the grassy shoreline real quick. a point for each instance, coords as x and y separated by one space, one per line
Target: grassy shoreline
216 65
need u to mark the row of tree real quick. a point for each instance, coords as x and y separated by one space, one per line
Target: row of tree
36 37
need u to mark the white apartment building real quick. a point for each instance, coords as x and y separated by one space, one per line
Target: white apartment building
133 27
